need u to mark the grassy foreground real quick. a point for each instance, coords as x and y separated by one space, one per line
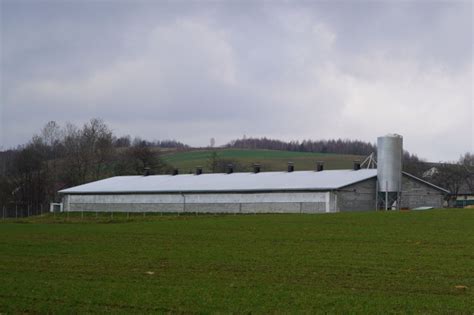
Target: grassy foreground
346 262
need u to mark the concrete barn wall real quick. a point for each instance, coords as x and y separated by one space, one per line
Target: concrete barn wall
361 196
357 197
418 194
288 202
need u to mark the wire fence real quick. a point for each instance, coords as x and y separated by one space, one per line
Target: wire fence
17 211
22 210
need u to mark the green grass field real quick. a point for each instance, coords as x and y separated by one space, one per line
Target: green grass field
371 262
271 160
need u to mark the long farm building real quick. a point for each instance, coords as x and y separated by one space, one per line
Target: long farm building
319 191
285 192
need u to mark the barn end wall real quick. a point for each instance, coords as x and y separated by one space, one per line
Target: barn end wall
288 202
418 194
361 196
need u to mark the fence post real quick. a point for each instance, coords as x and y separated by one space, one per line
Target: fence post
16 211
28 210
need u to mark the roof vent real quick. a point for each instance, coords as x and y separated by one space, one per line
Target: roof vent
230 169
175 171
256 168
319 166
146 171
356 165
198 170
291 167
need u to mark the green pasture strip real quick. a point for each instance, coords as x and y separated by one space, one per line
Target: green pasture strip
372 262
271 160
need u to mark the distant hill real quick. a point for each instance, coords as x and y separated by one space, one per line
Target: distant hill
270 160
335 146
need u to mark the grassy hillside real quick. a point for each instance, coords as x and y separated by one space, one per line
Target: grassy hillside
271 160
370 262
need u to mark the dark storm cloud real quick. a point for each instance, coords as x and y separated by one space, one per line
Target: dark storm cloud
192 71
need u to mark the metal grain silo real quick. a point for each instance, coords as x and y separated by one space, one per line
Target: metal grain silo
389 169
389 162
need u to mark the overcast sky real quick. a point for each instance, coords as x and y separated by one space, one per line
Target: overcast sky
191 70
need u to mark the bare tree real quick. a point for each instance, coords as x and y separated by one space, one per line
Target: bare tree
141 156
450 176
89 148
123 142
75 161
51 135
467 161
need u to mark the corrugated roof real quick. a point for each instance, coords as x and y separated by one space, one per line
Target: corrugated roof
264 181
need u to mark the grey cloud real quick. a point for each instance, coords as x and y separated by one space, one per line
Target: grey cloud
194 71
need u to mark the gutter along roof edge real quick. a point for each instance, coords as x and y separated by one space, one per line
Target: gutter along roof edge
197 191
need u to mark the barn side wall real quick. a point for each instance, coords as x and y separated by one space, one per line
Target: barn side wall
357 197
287 202
418 194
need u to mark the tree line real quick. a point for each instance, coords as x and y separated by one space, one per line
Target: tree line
339 146
64 156
457 177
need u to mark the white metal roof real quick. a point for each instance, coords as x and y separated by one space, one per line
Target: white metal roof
264 181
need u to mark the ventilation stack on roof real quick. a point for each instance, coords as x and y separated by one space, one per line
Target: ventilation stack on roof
356 166
256 168
319 166
198 170
291 167
146 171
230 169
175 172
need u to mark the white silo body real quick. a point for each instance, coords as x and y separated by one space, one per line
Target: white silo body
389 163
